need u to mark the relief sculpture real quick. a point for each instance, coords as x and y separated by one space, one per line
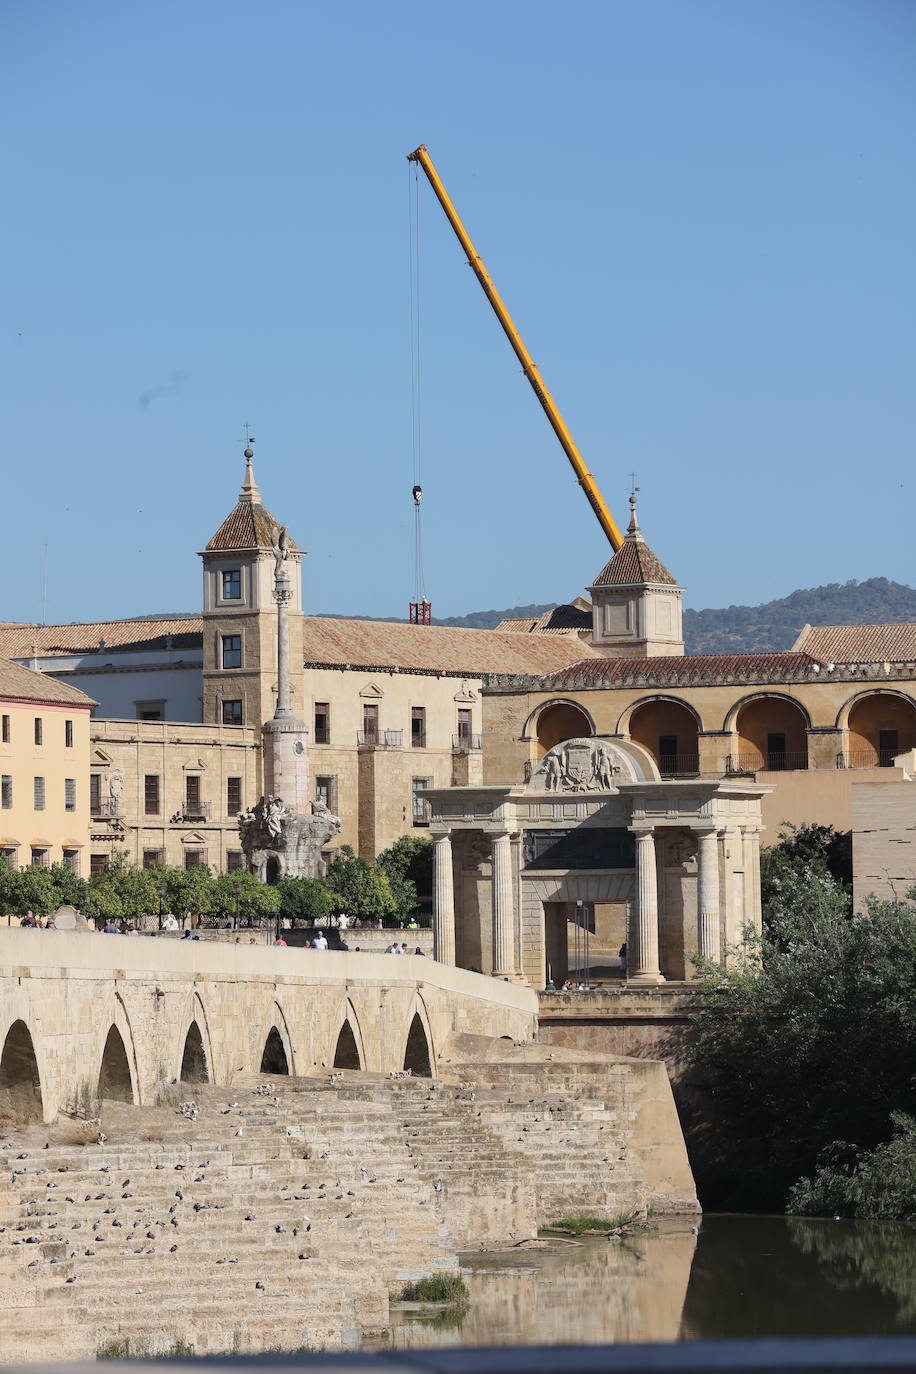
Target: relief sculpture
578 766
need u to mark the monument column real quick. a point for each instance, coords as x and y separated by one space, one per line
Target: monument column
642 961
443 900
708 917
286 768
503 915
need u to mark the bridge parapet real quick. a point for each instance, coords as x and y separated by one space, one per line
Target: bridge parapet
84 1015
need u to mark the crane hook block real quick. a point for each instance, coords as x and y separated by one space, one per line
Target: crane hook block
417 495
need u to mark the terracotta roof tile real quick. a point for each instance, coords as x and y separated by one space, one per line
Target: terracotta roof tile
859 643
248 526
431 648
17 641
685 669
23 684
633 562
522 626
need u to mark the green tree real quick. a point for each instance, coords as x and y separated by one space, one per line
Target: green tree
254 898
809 1043
303 899
408 865
358 887
186 890
133 889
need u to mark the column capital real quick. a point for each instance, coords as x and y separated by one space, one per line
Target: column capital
642 832
704 831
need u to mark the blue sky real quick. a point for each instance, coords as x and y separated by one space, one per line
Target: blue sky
701 214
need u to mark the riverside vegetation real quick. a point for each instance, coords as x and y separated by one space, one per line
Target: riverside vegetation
806 1048
388 888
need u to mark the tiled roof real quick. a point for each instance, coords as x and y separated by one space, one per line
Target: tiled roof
633 562
859 643
682 671
248 526
23 684
18 641
559 620
434 648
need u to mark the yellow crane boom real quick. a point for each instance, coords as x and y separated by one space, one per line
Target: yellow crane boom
585 478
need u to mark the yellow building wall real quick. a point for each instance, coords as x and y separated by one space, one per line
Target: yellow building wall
53 829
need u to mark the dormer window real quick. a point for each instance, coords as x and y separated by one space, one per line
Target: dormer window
232 584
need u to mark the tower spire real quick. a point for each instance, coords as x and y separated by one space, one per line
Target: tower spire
249 490
634 533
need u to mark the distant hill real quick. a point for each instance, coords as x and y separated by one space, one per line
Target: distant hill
775 625
754 629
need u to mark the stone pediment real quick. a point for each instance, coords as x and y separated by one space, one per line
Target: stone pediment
100 758
195 838
371 692
592 765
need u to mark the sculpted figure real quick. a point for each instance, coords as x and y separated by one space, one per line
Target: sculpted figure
116 788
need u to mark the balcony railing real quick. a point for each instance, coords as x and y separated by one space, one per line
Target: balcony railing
463 743
766 763
106 807
380 739
679 765
191 811
867 758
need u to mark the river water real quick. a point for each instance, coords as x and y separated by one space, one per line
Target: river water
740 1276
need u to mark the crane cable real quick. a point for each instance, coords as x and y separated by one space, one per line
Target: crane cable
413 219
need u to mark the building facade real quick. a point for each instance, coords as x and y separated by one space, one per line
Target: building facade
44 757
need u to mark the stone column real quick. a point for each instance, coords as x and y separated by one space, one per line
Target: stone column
642 961
503 915
752 910
443 900
708 910
518 954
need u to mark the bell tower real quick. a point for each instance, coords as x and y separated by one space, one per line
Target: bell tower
636 603
240 677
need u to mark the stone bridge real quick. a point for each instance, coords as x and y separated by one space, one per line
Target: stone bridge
85 1016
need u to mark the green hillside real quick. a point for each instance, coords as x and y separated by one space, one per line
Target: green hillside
773 626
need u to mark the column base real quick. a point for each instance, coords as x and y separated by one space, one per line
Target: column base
645 980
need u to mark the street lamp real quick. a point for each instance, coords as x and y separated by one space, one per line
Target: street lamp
238 902
160 893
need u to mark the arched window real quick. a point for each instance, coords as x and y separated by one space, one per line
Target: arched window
669 731
194 1058
416 1055
114 1072
20 1086
560 722
772 736
881 726
274 1060
346 1055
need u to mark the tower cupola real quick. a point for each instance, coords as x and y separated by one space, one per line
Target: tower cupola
636 603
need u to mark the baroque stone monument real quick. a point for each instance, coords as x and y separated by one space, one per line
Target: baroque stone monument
279 842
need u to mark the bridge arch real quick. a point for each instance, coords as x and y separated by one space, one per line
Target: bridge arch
20 1079
277 1053
419 1055
116 1057
349 1051
194 1045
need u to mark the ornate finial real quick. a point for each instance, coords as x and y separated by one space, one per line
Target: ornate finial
633 530
249 490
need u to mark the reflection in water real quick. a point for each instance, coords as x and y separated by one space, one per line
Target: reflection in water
749 1276
599 1292
788 1276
